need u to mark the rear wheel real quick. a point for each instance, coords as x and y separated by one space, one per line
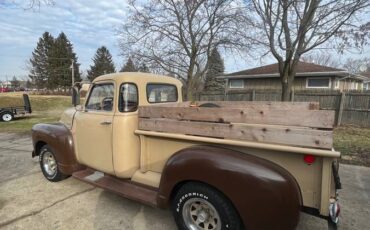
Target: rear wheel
49 166
7 116
197 206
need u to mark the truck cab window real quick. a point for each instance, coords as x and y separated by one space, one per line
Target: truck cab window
128 99
101 98
159 93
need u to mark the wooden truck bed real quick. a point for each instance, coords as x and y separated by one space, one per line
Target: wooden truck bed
282 132
295 124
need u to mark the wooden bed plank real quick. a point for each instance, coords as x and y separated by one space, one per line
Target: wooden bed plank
295 136
251 104
293 117
266 104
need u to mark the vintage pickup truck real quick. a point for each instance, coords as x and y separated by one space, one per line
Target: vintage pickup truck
217 165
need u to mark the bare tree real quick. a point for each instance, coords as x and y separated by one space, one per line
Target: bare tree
321 58
292 27
357 65
27 5
38 3
177 37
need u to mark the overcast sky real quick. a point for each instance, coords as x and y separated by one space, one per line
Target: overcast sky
88 24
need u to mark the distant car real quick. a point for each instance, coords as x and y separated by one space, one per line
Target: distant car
4 90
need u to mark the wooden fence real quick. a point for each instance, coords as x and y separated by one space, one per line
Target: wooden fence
352 108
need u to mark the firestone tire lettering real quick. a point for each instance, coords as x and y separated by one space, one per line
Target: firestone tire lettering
189 195
229 218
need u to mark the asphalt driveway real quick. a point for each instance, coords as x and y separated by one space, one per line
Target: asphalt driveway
28 201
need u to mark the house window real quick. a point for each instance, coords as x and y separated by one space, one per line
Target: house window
236 84
352 85
336 84
318 82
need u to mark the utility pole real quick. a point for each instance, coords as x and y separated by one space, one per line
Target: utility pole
73 72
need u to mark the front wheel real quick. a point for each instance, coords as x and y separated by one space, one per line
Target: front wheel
49 166
197 206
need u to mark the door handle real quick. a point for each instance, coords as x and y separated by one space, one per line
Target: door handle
105 122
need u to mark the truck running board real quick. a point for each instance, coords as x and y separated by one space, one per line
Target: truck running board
125 188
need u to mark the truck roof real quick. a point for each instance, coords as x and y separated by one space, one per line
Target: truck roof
138 77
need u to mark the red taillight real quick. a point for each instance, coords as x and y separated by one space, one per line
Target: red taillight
309 159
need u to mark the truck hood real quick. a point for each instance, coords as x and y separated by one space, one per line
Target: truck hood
67 117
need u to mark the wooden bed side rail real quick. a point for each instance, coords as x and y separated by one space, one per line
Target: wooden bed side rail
287 135
251 104
250 115
250 144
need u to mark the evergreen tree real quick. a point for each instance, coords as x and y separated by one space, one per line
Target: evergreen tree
15 83
29 84
143 68
40 61
215 67
60 62
129 66
103 64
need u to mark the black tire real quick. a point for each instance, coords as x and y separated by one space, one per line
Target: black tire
198 192
332 225
51 175
7 116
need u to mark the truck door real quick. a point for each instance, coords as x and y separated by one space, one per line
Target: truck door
93 128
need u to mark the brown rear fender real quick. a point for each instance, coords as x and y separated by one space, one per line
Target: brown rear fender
60 140
266 195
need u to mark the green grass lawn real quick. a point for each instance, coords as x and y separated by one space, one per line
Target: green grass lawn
45 109
352 142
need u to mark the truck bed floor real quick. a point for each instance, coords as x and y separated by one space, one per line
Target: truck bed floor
125 188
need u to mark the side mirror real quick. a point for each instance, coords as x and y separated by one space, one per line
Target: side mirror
75 96
85 87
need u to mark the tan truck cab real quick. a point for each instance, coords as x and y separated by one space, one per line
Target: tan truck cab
216 170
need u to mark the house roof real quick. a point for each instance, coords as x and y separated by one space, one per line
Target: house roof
303 67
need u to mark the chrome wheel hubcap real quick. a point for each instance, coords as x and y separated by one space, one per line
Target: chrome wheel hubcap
7 117
199 214
49 163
